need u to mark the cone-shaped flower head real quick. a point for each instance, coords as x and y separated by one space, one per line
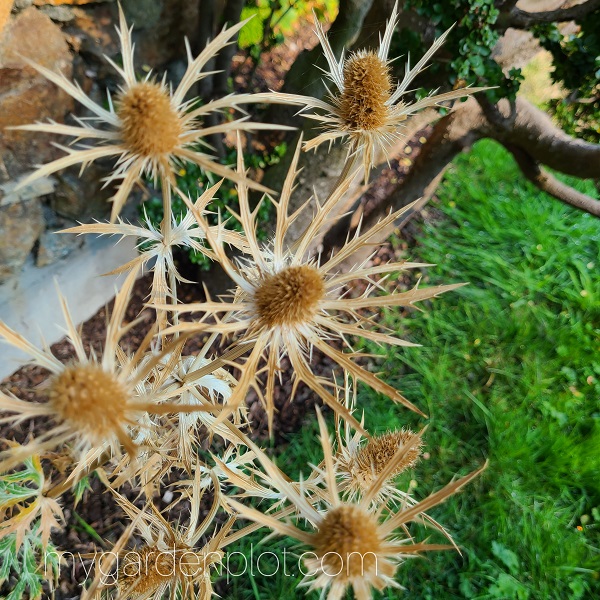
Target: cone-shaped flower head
95 403
359 464
366 106
288 301
149 128
350 543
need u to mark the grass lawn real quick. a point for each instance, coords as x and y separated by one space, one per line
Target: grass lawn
509 370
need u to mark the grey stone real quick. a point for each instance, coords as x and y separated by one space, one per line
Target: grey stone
62 14
54 246
22 4
27 96
81 197
40 187
21 225
29 303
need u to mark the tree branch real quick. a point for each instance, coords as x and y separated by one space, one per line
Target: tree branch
451 135
548 183
525 130
521 19
533 131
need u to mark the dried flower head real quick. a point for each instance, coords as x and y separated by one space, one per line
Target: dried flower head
365 106
288 301
168 559
95 404
351 544
158 245
149 128
360 464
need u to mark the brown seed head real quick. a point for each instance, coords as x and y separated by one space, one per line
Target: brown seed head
377 453
91 400
290 297
367 86
148 568
348 542
379 450
149 124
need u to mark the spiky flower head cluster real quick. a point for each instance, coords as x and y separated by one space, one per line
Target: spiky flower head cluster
163 415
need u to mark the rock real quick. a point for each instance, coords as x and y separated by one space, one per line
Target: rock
21 224
160 27
25 95
81 197
54 246
62 14
40 187
22 4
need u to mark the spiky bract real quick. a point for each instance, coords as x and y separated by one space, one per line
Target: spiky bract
351 543
364 106
149 129
289 300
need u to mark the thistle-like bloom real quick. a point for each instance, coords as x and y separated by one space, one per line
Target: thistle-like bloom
149 128
168 560
360 460
365 106
350 544
288 302
93 402
157 246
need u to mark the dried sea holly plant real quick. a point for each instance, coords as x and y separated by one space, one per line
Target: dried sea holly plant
353 540
289 300
365 106
159 416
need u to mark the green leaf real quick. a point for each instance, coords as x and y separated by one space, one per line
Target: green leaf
508 588
80 488
508 557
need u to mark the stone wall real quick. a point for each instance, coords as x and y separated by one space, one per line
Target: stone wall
70 36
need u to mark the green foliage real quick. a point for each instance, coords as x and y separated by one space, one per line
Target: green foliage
33 564
194 180
22 553
80 487
578 118
576 57
576 60
470 43
505 372
271 20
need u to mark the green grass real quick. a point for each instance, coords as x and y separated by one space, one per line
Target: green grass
510 371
